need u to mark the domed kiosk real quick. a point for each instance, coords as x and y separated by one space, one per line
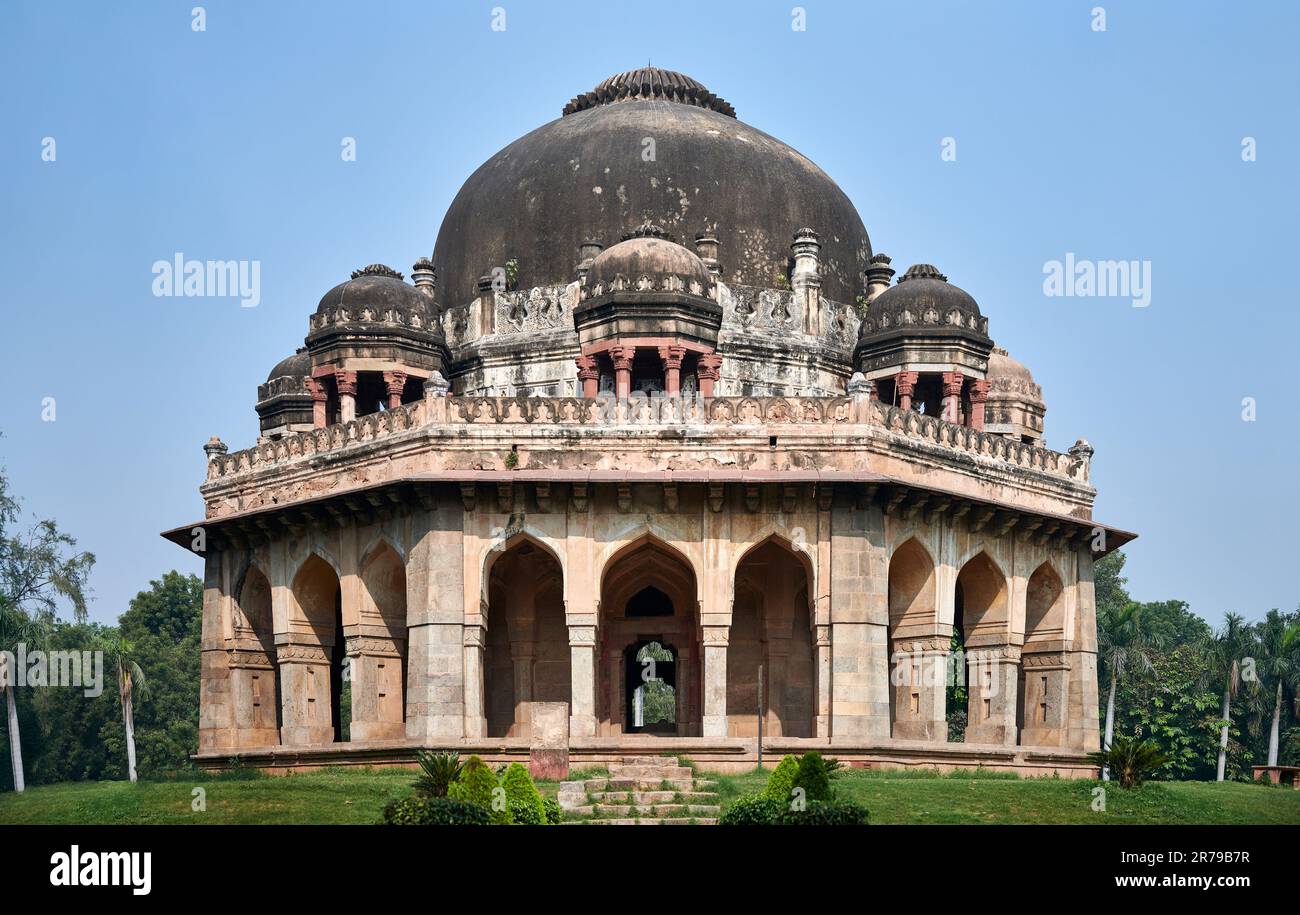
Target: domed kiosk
651 457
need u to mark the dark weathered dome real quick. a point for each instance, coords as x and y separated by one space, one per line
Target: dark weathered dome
665 264
296 366
923 298
375 293
591 174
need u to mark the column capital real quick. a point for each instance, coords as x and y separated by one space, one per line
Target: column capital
709 366
905 382
317 390
587 367
346 382
622 356
672 356
979 391
952 384
395 381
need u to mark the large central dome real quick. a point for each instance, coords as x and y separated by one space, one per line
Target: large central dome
647 146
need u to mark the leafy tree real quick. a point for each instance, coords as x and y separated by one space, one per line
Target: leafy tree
1223 656
1133 760
38 567
1278 665
1123 645
522 796
130 681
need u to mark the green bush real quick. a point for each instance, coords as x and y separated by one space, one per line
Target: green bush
824 813
814 777
437 772
753 810
434 811
781 780
551 808
523 797
478 785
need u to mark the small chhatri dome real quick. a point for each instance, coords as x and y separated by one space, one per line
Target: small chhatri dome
923 298
650 83
647 262
374 293
296 366
1015 405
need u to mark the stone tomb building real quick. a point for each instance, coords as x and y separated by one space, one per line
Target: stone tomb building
658 442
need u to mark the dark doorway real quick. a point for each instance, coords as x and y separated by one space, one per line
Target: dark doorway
340 692
649 601
650 688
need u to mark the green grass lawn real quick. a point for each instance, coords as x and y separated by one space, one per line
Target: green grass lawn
359 795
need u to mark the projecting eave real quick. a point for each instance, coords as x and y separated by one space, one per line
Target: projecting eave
905 498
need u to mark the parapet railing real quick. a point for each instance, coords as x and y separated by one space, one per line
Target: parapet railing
654 411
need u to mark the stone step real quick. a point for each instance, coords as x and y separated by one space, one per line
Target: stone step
616 811
654 797
643 784
624 770
647 821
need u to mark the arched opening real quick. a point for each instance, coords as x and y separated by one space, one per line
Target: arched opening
771 629
1043 683
918 647
379 674
650 669
257 683
980 632
321 694
526 653
648 597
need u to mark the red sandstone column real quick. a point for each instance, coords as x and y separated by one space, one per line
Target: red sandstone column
979 392
623 356
347 387
589 375
904 385
319 397
672 360
952 384
395 383
707 370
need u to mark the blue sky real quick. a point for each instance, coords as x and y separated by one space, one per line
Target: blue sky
1122 144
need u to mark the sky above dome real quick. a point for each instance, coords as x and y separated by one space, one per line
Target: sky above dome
1070 143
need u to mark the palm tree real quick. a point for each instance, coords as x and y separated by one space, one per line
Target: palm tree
1278 662
1123 645
35 572
130 678
1224 652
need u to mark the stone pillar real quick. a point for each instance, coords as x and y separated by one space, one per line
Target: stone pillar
919 688
776 674
1044 697
588 375
376 664
214 678
805 278
522 655
319 399
582 682
346 382
672 359
879 274
823 673
394 384
435 608
715 681
622 356
952 385
859 623
706 246
1083 729
306 716
904 386
707 370
979 394
475 707
992 682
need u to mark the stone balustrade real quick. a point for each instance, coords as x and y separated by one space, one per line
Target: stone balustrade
811 413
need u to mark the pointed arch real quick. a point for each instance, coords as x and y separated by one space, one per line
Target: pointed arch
771 633
1044 605
493 554
913 607
982 605
797 546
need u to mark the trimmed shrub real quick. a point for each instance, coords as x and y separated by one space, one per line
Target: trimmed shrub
823 813
478 785
523 797
551 810
753 810
814 777
434 811
781 780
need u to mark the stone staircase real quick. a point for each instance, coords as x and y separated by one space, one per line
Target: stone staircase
641 790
